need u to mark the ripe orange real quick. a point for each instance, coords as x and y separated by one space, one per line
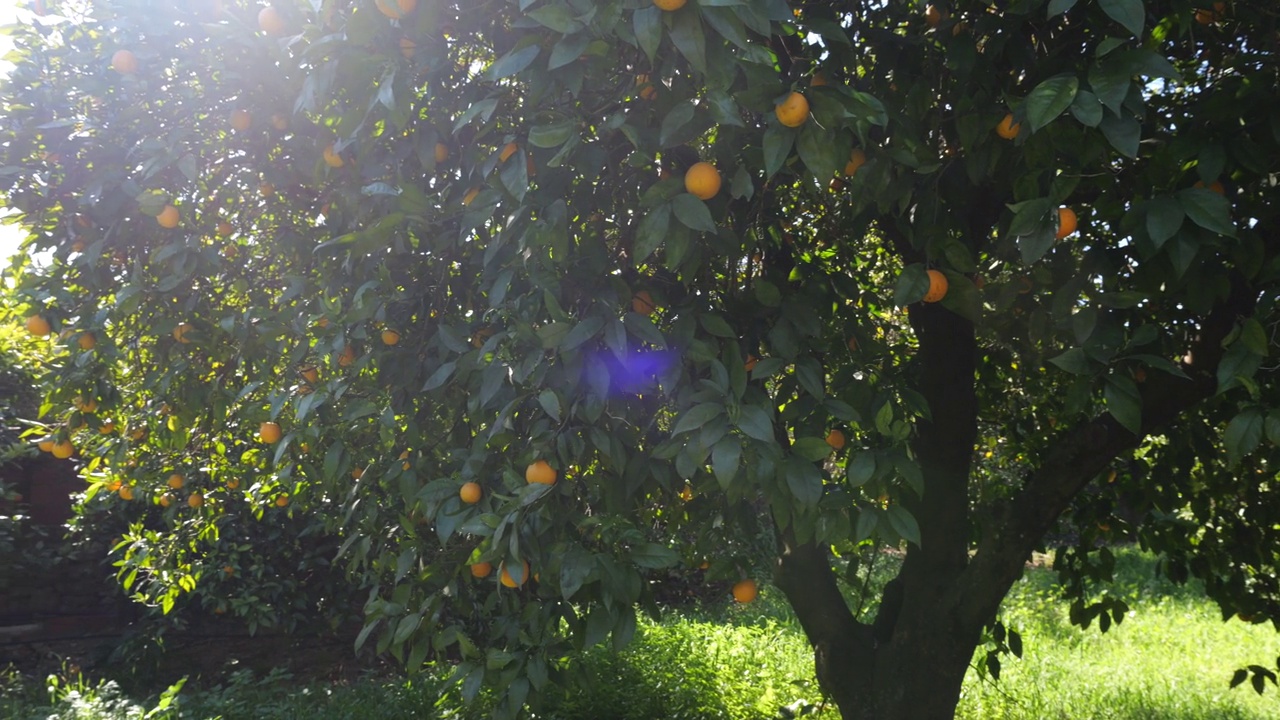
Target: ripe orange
390 337
181 332
507 151
85 405
509 581
233 484
87 341
744 591
107 427
113 485
937 287
138 434
642 303
1214 186
63 449
38 326
45 445
471 195
269 432
195 501
347 357
176 481
126 492
282 500
124 62
751 363
702 180
280 121
271 22
1205 16
168 217
228 570
225 229
241 120
1066 222
686 493
310 374
396 9
669 5
470 493
166 500
1008 129
407 46
835 439
481 569
793 111
647 90
818 80
442 153
857 158
331 158
357 473
932 16
540 472
266 189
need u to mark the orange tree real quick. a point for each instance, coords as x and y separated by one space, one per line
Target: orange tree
626 265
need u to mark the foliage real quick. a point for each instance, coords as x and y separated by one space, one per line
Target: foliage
440 248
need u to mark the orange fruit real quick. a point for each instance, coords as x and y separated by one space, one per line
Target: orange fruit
225 229
165 500
818 80
181 332
509 581
168 217
126 492
38 326
937 287
647 89
481 569
107 427
744 591
269 432
228 570
442 153
124 62
87 341
1214 186
540 472
396 9
347 357
266 189
669 5
176 481
686 494
271 22
63 449
1205 16
357 473
85 405
853 344
932 15
195 501
310 374
233 484
507 151
45 445
751 363
857 158
642 303
322 323
113 485
282 500
77 246
1008 129
280 121
138 434
390 337
793 111
407 46
702 180
1066 222
470 493
331 158
241 120
471 195
835 439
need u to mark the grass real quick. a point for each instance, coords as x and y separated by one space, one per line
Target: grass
1170 659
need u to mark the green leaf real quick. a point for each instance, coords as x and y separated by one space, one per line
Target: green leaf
697 416
513 62
647 22
754 421
804 480
912 285
687 34
1128 13
557 16
652 232
903 523
1050 99
809 373
675 121
768 294
655 556
811 448
716 325
693 213
1207 209
575 566
1058 7
1124 403
1074 361
1124 134
1087 109
1243 435
1164 218
551 134
582 332
550 403
814 144
725 458
862 467
1036 244
778 141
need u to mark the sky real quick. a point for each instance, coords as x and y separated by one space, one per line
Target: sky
9 235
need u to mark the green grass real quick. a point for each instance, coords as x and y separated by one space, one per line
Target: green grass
1171 659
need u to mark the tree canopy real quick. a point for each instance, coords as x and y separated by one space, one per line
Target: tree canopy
757 284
